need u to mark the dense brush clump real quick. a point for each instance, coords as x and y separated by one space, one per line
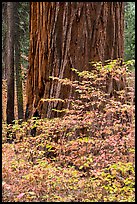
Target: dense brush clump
93 142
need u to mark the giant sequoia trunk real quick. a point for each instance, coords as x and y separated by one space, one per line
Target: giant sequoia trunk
65 35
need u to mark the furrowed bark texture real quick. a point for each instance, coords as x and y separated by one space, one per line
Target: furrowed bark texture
65 35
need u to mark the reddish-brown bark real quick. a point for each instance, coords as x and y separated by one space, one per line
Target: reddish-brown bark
65 35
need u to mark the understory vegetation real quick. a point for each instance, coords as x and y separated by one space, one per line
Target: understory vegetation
87 155
129 31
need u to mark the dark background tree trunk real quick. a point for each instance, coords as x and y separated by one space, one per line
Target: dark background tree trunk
4 39
10 63
10 69
18 63
65 35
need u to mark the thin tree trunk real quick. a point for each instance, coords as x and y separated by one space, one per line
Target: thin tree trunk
4 39
10 62
10 69
18 64
65 35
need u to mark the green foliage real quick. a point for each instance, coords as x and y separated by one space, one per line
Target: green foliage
23 11
130 64
24 32
129 30
86 155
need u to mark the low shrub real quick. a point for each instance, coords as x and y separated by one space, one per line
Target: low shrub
94 141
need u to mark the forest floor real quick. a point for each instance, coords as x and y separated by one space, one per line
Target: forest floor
39 169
